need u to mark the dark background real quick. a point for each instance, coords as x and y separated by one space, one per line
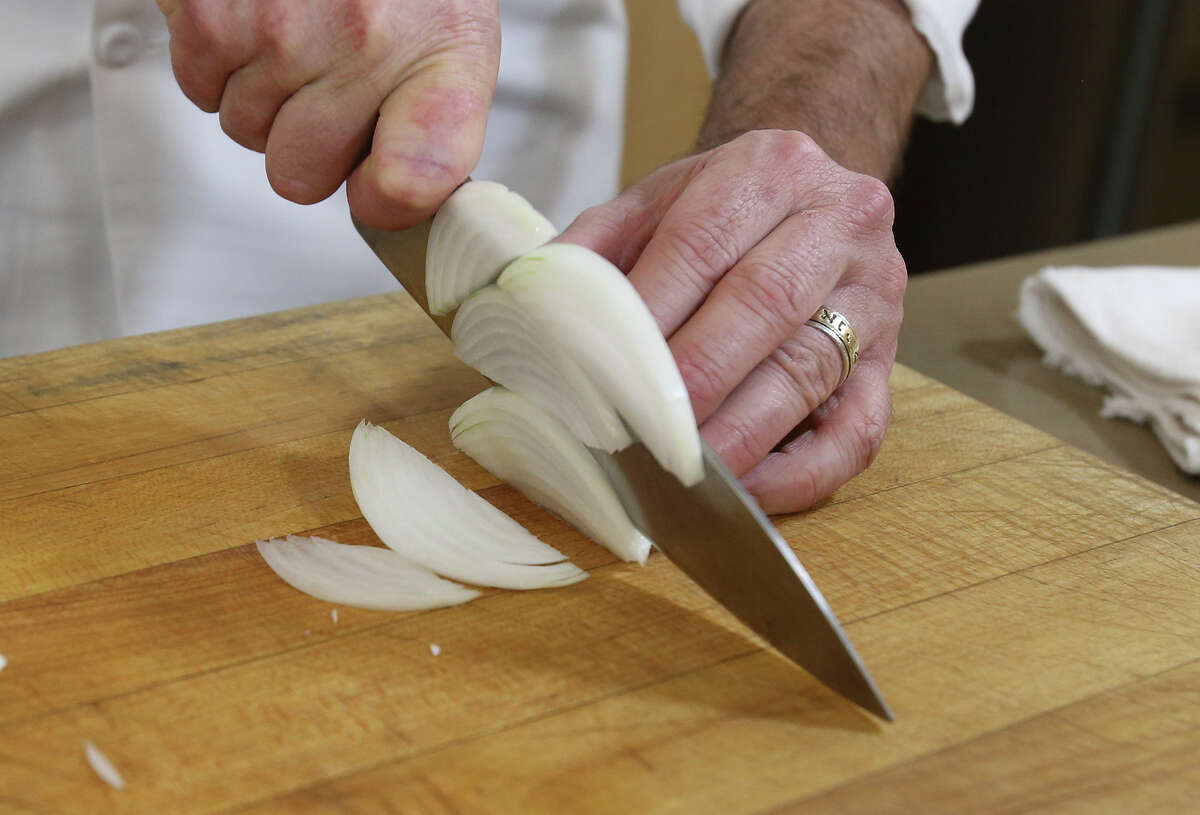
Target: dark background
1086 124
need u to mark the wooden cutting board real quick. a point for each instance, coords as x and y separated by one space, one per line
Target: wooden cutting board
1032 615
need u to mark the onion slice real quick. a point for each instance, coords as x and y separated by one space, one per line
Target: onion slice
420 511
478 231
584 305
495 337
102 766
359 576
517 441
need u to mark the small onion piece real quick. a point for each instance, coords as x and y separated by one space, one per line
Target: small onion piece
359 576
478 231
584 305
495 337
517 441
102 766
420 511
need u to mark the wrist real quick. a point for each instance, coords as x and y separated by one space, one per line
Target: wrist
846 72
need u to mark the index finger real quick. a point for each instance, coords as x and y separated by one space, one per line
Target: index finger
737 199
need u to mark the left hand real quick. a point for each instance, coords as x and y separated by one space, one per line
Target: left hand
733 250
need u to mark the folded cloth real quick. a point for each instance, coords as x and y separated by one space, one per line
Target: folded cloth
1134 330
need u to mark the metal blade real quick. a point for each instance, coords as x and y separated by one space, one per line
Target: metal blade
714 531
718 536
403 253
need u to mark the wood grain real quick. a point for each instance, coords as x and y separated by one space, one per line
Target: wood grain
1030 612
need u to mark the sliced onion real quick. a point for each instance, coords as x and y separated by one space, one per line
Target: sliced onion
495 337
359 576
101 766
517 441
478 231
420 511
588 308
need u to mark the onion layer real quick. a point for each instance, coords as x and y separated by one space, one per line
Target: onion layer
588 308
517 441
480 228
495 337
417 509
359 576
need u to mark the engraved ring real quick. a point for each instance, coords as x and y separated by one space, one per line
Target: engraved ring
837 328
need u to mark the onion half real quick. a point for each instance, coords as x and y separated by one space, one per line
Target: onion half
584 305
480 228
419 510
517 441
495 337
359 576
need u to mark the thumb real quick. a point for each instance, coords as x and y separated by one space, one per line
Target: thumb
428 137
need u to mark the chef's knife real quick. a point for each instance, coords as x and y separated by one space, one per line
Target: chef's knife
713 531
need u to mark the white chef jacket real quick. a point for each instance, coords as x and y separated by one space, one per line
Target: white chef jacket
124 209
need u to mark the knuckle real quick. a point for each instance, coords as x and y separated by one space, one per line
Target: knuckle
779 147
870 203
768 287
792 147
810 375
243 129
702 376
201 22
740 446
704 246
417 183
892 278
866 436
283 34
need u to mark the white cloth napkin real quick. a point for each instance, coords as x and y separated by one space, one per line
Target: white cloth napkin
1134 330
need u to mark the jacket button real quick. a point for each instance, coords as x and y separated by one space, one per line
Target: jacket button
119 44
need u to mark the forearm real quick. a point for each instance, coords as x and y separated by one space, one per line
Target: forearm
846 72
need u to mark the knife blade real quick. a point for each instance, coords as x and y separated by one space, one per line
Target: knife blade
714 531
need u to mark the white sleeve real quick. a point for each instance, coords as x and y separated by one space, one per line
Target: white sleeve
950 92
947 96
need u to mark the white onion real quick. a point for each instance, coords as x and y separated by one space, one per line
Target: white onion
495 337
420 511
101 766
480 228
517 441
359 576
588 308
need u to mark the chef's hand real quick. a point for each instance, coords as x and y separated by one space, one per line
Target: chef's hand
315 83
733 250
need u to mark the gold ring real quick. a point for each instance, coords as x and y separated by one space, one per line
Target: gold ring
837 328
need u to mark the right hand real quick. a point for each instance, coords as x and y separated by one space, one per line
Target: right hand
315 84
